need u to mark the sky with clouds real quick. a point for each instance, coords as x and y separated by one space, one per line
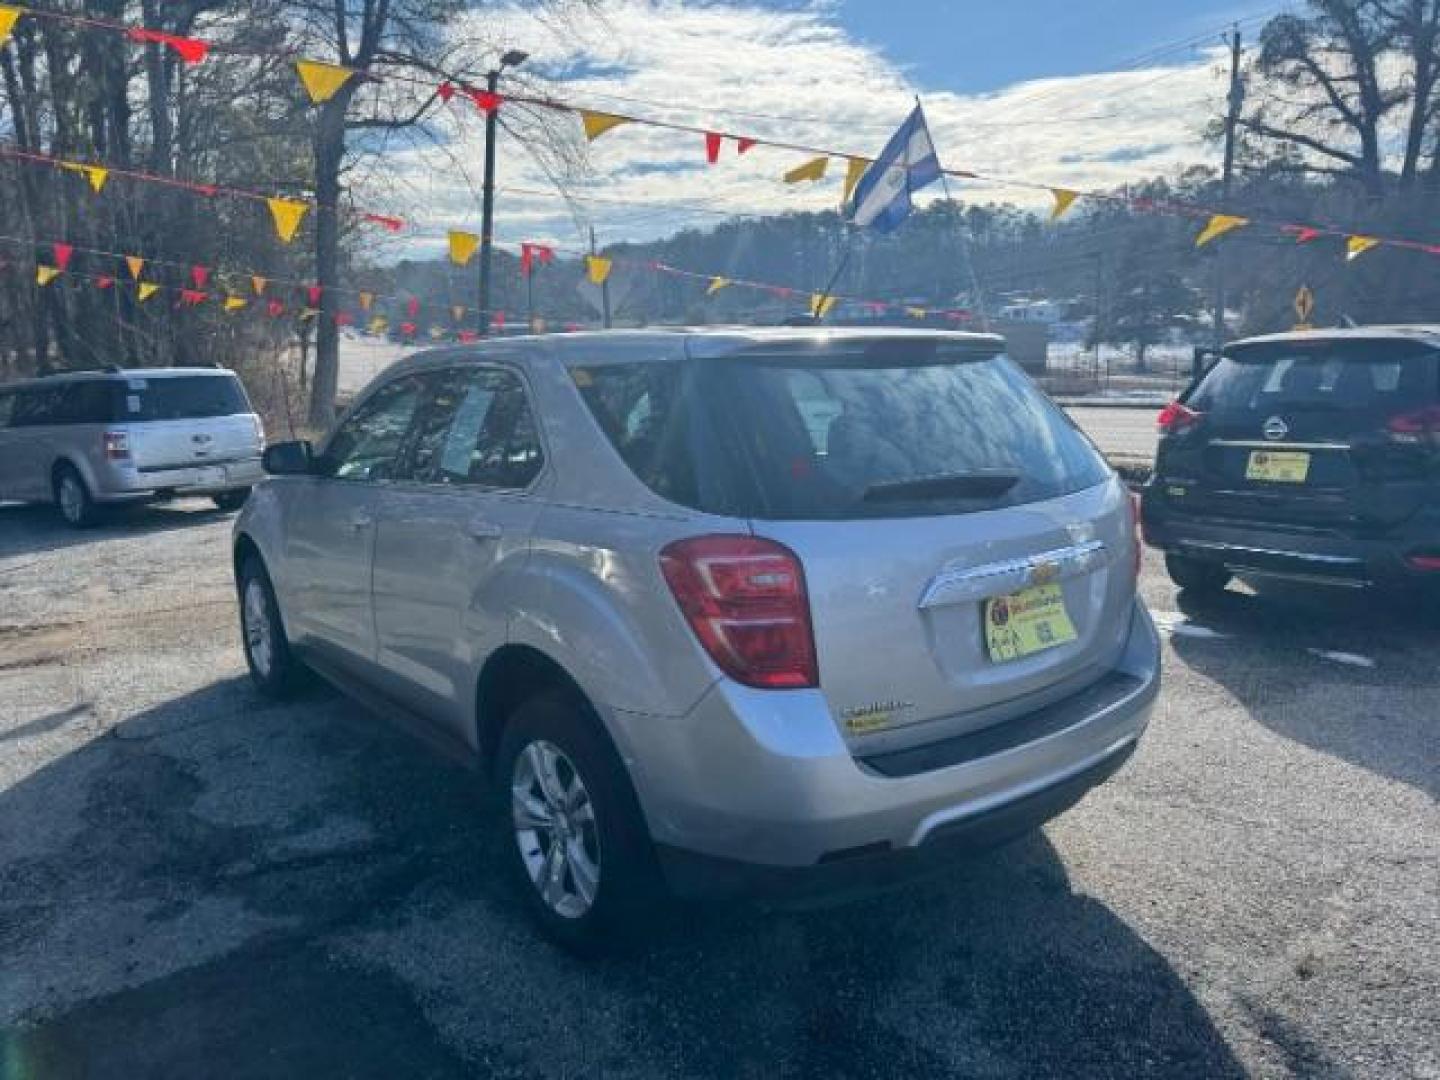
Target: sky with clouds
1090 95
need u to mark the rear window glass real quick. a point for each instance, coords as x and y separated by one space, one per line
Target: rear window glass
883 431
1348 375
180 397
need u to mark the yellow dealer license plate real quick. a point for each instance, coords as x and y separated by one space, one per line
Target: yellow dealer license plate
1278 467
1027 622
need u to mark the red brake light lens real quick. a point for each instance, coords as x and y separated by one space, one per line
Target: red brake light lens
117 446
746 602
1176 418
1417 426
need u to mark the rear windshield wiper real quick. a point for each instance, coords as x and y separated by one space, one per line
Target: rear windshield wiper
977 485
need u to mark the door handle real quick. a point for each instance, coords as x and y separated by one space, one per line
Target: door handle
359 522
480 529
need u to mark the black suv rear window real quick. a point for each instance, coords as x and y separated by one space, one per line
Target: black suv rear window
898 429
1361 376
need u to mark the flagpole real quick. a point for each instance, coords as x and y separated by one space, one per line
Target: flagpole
964 245
835 277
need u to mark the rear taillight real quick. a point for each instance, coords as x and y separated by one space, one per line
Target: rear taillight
1176 418
1427 562
745 600
117 446
1418 426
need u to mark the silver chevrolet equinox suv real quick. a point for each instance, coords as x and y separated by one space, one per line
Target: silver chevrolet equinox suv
723 610
89 439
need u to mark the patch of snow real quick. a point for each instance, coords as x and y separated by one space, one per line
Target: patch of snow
1352 659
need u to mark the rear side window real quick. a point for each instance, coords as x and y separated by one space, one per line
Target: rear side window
890 429
180 397
1362 376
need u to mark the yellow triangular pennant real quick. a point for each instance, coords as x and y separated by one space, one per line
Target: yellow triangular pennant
287 214
235 303
462 247
258 283
136 264
437 332
457 312
916 312
1355 246
811 170
716 284
366 299
597 267
146 291
322 81
8 16
93 173
597 123
1064 198
853 172
46 274
820 304
1219 225
379 324
309 313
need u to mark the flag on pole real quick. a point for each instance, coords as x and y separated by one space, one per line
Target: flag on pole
907 164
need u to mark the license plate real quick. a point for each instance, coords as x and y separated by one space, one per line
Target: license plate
1278 467
1027 622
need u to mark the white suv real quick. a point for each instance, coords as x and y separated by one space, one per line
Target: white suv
87 439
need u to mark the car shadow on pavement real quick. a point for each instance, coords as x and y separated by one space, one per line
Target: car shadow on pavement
29 529
227 886
1333 669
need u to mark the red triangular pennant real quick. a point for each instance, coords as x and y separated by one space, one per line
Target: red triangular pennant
484 100
741 145
412 306
394 224
467 336
408 329
191 50
343 318
275 309
62 254
192 297
712 146
313 294
200 275
104 281
446 91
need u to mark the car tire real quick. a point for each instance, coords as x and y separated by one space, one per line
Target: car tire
1196 575
578 847
231 500
73 498
274 668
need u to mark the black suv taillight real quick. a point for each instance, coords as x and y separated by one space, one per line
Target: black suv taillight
1177 418
1416 427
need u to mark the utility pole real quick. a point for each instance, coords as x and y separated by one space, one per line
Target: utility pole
513 58
604 285
1236 100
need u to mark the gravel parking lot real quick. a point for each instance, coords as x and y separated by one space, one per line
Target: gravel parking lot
196 882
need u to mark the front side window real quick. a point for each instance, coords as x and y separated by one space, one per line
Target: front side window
367 445
477 429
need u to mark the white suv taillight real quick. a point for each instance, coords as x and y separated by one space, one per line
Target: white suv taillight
745 600
117 446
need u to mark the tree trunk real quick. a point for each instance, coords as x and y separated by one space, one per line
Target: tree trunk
329 152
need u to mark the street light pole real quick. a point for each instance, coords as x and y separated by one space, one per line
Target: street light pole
513 58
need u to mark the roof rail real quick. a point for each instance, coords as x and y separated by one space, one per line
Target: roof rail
108 369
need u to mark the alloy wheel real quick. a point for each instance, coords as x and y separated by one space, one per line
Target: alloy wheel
259 639
555 829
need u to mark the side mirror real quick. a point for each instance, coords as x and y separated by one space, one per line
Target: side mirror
289 459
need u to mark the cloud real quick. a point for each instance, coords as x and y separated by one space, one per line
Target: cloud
791 75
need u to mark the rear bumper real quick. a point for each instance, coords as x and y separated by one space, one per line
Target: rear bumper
1299 554
765 779
125 483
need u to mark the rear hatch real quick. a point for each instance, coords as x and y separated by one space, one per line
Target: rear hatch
928 489
183 421
1322 434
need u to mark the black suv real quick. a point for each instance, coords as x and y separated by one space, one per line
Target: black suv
1313 455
